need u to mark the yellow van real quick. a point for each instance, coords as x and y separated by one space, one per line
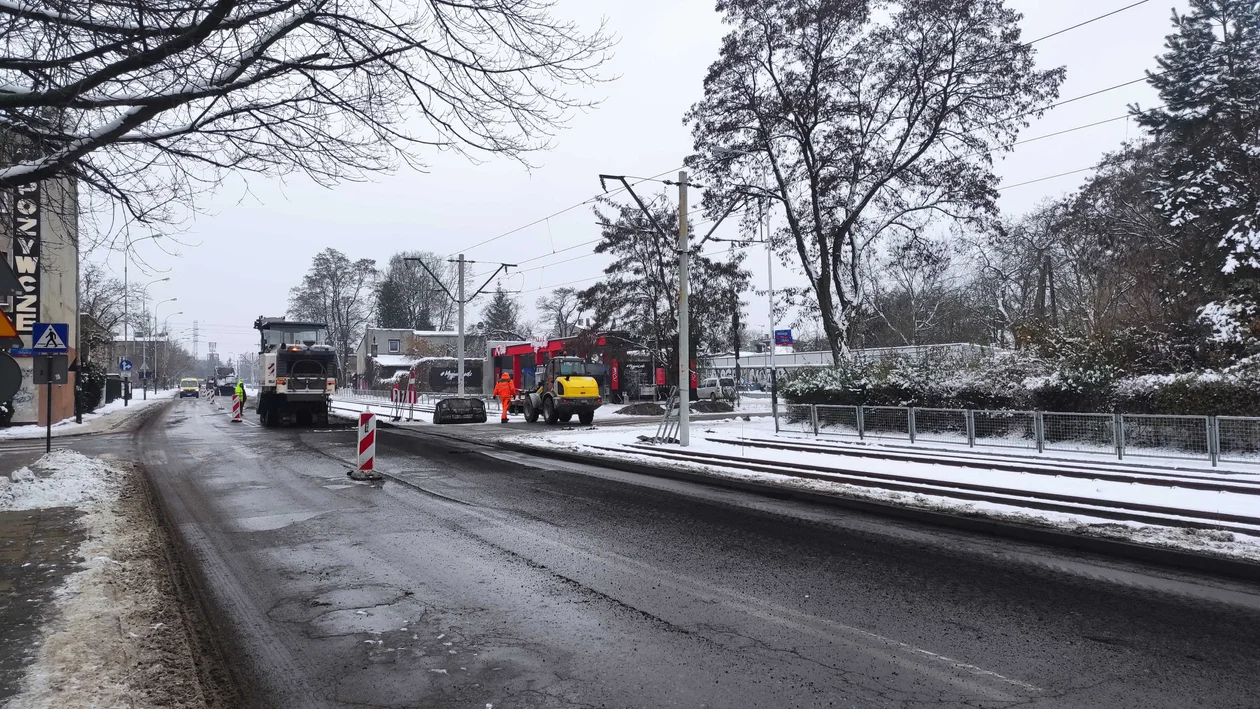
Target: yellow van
189 387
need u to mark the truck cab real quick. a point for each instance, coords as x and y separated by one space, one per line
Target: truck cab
297 372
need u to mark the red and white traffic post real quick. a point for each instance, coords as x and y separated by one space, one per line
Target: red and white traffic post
236 408
366 469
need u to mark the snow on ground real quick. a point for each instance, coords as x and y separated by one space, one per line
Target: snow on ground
116 637
71 480
1227 543
101 419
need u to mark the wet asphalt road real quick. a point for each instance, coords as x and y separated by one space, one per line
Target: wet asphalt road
496 581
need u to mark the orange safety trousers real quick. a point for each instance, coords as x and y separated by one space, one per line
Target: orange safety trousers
505 400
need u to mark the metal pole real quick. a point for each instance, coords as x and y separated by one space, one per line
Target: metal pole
774 372
459 370
126 317
48 406
684 349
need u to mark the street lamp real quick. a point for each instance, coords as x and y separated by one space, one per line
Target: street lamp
774 378
153 336
127 315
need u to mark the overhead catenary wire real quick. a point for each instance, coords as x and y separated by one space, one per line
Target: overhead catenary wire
1086 22
1043 179
589 200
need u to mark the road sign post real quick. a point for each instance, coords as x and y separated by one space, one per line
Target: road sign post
48 342
124 366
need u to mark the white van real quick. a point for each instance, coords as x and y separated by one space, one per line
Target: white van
715 388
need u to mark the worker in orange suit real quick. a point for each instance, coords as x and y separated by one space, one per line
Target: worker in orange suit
505 390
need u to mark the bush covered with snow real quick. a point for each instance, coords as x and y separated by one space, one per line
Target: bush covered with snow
1021 380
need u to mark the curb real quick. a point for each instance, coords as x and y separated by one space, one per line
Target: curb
1174 558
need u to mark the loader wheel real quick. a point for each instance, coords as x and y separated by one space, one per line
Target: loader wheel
586 417
531 414
566 418
549 412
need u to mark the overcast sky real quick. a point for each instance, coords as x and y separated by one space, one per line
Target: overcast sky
256 240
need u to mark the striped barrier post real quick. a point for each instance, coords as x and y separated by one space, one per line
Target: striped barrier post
236 409
366 469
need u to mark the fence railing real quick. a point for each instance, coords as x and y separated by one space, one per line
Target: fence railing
1206 438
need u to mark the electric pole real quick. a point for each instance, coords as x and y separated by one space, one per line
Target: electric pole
684 318
459 370
461 301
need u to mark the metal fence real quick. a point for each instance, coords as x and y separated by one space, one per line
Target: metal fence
1207 438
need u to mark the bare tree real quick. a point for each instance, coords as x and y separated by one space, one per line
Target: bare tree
866 122
560 310
408 296
149 100
338 293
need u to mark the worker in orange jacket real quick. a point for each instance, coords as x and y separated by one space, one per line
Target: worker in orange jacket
505 390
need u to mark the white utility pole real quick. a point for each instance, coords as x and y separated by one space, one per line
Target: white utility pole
459 372
126 376
684 317
774 379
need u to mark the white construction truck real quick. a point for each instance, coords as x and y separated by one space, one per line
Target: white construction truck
297 372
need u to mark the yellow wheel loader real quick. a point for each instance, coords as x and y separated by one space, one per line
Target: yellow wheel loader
564 389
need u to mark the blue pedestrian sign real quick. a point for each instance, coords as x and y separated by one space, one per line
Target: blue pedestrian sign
50 338
124 365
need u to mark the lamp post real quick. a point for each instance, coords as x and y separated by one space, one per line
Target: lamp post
153 336
126 299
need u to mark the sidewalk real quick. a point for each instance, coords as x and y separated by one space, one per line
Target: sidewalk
90 614
109 417
1216 513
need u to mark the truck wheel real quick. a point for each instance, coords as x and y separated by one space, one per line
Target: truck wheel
586 417
266 417
531 413
550 415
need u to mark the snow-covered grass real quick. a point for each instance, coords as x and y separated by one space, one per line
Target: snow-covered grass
110 412
588 441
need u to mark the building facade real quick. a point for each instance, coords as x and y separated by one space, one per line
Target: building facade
39 238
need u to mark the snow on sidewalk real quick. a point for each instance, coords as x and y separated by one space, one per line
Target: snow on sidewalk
588 441
115 635
109 416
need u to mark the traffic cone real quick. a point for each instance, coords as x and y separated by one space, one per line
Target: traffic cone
236 409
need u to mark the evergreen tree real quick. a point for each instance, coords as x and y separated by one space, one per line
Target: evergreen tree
501 317
1209 132
391 310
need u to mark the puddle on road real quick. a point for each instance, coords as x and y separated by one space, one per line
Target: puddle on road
268 523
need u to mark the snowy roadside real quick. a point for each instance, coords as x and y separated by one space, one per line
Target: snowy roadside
595 442
105 418
115 635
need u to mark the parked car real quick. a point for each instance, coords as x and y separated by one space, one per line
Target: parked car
716 388
460 410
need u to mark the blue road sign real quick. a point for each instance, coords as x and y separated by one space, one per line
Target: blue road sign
50 338
783 337
124 365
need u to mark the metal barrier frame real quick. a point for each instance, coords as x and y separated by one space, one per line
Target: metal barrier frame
971 435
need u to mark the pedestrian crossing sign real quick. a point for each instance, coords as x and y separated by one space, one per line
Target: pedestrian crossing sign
50 338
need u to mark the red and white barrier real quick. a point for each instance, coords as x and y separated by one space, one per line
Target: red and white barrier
236 409
367 449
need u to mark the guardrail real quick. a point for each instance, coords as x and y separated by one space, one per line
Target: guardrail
1208 438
